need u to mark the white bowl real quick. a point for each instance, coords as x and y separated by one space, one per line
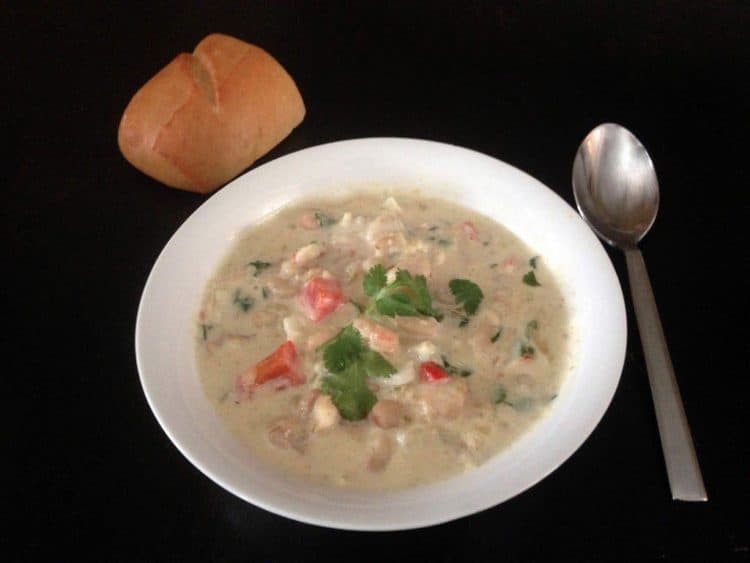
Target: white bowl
165 328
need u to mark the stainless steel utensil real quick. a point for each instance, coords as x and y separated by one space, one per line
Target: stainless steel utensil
615 187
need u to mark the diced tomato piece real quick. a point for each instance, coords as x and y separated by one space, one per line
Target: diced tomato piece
282 362
470 230
431 372
321 297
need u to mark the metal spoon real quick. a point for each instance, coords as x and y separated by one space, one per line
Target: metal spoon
615 187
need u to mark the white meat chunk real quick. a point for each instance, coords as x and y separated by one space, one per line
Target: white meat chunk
384 226
288 432
392 205
308 254
324 414
443 400
388 413
405 375
425 351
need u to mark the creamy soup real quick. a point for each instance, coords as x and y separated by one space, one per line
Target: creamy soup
382 341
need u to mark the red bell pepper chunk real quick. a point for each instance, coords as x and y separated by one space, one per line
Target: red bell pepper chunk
282 362
321 297
431 372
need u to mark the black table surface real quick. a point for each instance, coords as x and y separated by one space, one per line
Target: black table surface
94 476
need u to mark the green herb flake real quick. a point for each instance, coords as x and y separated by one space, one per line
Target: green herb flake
204 330
265 292
455 370
406 296
500 396
467 294
433 228
244 302
324 220
533 261
497 335
527 350
444 242
531 328
530 279
259 266
349 363
374 280
493 265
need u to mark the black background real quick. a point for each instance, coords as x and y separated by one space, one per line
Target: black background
93 474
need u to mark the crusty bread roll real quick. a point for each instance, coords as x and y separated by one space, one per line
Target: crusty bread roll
206 117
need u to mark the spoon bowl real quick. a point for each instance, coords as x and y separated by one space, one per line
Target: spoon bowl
617 193
615 185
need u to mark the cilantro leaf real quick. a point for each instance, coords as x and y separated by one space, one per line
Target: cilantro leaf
349 363
530 279
375 365
375 280
533 260
468 294
405 296
342 351
352 397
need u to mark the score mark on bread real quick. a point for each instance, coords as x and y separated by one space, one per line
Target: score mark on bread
205 117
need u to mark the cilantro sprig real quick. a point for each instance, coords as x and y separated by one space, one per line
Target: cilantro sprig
349 363
405 296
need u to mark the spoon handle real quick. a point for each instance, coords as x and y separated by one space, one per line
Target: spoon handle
683 471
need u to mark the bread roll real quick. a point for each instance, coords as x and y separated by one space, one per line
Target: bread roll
206 117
